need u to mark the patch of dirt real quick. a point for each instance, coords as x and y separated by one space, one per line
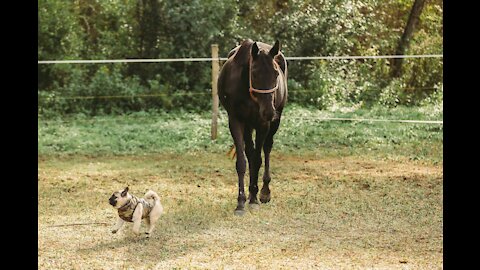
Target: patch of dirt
326 213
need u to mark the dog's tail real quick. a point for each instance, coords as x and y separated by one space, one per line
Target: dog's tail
152 195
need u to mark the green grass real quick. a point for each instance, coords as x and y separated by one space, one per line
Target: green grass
301 130
345 195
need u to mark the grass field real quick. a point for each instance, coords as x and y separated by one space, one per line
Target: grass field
345 195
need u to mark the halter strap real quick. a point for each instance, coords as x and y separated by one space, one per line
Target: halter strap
261 91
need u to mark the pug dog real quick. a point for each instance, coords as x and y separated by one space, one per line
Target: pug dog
133 209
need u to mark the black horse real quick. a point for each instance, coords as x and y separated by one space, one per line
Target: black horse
252 87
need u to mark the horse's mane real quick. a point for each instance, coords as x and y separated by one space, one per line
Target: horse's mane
242 54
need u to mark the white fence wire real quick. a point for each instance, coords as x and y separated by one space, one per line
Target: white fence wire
210 59
165 60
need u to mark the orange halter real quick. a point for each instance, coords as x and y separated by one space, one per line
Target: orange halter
261 91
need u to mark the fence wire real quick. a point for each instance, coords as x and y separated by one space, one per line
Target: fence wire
320 119
209 93
164 60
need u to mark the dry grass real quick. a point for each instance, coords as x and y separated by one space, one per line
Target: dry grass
326 213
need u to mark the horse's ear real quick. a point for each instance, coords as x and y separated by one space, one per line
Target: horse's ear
275 49
254 50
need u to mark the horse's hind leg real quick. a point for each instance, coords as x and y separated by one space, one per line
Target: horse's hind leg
267 148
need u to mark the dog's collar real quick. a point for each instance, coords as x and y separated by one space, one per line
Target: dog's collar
125 206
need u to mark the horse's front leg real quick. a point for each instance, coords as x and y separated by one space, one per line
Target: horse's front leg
267 148
252 164
237 130
256 160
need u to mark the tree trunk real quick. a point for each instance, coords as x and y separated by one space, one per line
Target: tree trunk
407 34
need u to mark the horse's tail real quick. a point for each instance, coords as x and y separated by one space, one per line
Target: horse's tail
232 153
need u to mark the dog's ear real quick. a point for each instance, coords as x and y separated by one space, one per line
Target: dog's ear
124 192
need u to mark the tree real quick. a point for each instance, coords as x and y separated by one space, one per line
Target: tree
407 34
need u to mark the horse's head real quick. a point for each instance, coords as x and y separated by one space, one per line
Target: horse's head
264 72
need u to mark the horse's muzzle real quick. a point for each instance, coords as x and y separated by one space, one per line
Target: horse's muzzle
267 115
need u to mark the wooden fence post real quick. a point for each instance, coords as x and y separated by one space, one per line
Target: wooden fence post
215 71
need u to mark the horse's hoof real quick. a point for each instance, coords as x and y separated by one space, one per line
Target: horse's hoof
239 212
254 206
264 198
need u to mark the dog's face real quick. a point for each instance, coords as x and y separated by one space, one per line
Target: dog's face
119 198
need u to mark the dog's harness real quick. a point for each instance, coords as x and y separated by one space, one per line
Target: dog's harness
126 211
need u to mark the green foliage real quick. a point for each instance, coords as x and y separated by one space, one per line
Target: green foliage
108 92
90 29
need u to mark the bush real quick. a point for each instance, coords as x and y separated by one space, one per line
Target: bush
92 29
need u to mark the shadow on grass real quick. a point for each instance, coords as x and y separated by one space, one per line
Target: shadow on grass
175 234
